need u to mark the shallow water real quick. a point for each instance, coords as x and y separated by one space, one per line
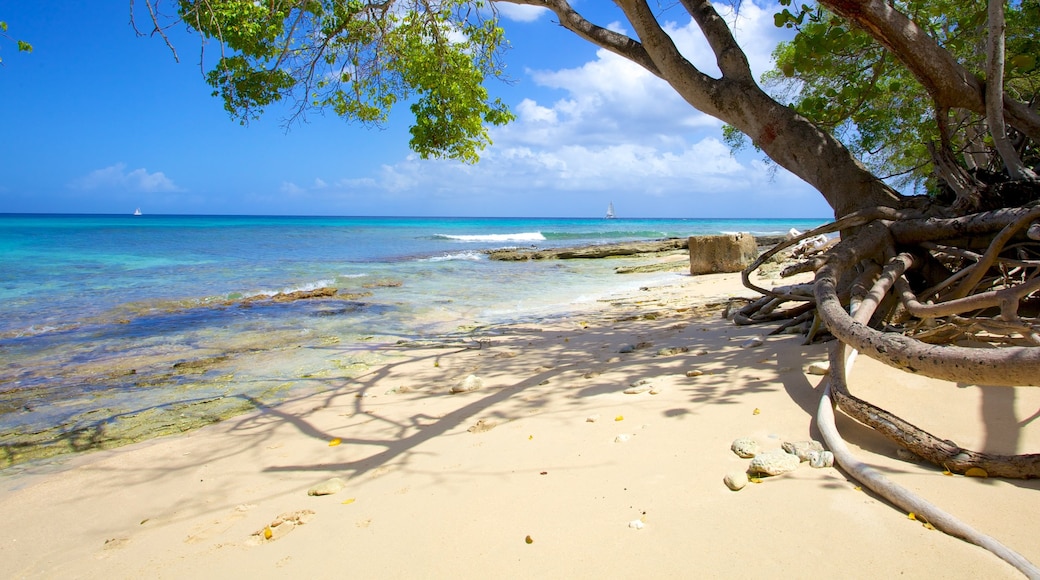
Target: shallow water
117 328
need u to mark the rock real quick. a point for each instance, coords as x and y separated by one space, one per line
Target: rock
592 418
821 459
622 438
735 480
801 449
468 384
626 348
721 253
674 350
637 524
745 447
752 342
640 386
818 368
329 487
591 251
774 463
694 373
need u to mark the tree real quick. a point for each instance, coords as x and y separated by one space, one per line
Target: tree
943 264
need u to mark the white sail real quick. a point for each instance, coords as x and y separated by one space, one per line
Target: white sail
610 211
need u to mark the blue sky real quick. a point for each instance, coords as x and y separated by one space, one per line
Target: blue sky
98 120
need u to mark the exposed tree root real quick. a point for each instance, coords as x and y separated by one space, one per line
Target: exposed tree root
953 298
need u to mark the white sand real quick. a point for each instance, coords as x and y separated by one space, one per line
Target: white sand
426 497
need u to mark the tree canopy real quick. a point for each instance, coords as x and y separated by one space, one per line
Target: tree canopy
917 282
23 46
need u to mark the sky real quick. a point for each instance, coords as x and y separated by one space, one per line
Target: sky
99 120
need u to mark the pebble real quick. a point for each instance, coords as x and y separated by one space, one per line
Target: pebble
735 480
640 386
592 418
468 384
801 449
672 351
774 463
694 373
637 524
329 487
752 342
818 368
622 438
745 447
821 459
627 348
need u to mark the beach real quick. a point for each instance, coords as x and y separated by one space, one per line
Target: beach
546 468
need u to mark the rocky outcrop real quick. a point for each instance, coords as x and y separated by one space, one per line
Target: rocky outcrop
723 253
589 252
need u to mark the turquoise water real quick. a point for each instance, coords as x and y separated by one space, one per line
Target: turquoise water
96 309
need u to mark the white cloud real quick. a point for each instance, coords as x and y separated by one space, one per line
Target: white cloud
116 177
520 13
608 128
291 188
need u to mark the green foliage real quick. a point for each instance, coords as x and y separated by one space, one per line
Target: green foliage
358 59
22 45
840 78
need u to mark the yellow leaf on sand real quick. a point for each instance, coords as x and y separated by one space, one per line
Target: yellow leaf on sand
756 411
335 442
349 500
929 526
619 418
529 540
268 533
911 516
976 472
529 437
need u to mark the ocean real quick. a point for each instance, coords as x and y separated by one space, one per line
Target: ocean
117 328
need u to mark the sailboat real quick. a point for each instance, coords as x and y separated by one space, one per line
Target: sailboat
610 211
137 211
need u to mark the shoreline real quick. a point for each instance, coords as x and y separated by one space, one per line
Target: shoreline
542 471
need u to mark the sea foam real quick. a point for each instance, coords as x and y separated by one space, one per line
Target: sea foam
518 237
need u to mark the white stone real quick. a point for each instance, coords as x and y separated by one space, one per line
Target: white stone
622 438
470 383
801 449
328 487
819 368
752 342
735 480
774 463
745 447
637 524
821 459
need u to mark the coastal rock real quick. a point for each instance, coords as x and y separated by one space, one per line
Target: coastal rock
328 487
640 386
735 480
801 449
819 368
674 350
752 342
745 447
821 459
589 252
722 253
774 463
468 384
